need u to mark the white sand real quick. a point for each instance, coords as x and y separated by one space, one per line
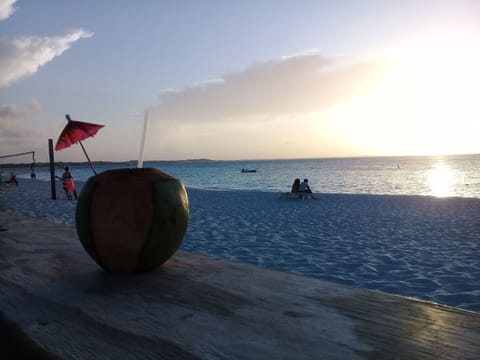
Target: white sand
423 247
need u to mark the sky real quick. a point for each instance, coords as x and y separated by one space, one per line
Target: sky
230 80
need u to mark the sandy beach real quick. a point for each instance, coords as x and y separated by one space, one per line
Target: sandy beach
417 246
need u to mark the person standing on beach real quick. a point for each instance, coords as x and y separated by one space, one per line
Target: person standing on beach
32 171
68 184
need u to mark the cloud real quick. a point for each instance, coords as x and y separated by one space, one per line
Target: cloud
6 8
297 84
23 56
35 106
8 112
15 130
253 113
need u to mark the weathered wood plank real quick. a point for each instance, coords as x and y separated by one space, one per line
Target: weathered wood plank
197 307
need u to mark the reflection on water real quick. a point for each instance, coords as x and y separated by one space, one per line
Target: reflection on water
441 180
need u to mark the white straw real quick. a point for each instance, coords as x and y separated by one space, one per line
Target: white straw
144 136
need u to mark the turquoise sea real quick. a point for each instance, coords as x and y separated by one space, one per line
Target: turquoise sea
457 175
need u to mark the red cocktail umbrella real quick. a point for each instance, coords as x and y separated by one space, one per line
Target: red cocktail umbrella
76 131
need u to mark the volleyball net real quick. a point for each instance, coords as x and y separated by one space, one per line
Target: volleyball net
19 164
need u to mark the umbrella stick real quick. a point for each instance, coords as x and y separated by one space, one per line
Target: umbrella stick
89 162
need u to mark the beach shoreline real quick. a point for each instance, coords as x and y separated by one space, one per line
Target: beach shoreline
417 246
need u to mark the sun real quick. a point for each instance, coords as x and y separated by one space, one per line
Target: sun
426 103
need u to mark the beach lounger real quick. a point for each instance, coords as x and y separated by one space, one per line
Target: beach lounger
297 195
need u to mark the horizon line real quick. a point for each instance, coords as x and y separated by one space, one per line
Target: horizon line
40 163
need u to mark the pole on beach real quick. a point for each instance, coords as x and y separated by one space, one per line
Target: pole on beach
52 169
144 138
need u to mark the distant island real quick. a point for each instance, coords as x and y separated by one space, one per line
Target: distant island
84 163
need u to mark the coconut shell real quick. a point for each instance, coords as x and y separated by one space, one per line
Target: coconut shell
132 220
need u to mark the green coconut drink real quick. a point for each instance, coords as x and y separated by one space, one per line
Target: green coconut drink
132 220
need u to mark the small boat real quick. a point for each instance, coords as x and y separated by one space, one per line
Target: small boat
249 171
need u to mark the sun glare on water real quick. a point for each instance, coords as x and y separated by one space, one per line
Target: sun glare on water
441 180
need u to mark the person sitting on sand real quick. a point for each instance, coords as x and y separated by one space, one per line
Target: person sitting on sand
296 186
13 180
304 187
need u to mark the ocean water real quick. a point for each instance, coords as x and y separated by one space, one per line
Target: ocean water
427 175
